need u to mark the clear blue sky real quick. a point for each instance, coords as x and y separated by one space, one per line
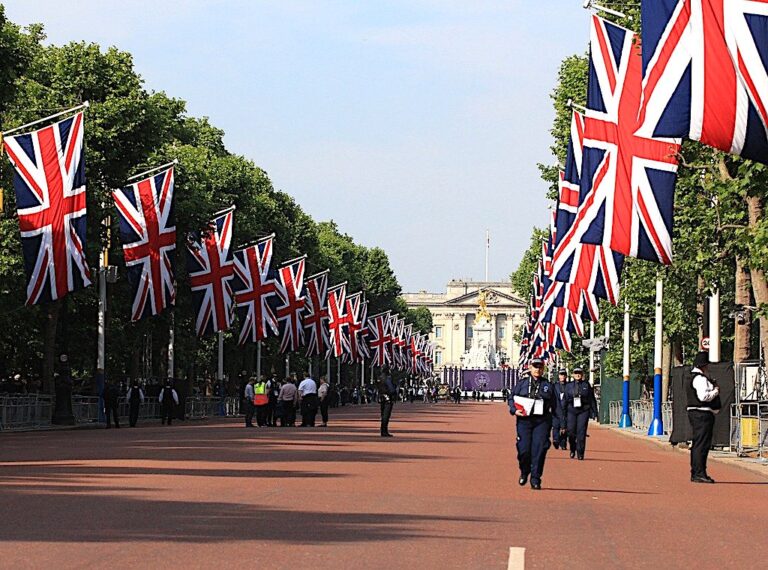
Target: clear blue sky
414 124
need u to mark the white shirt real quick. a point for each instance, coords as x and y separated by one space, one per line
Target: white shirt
173 393
307 386
705 390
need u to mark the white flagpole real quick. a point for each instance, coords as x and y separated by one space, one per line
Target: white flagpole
592 355
328 368
155 169
626 420
288 365
258 361
657 425
171 333
221 357
48 118
487 251
714 326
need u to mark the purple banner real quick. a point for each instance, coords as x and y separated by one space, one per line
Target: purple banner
488 380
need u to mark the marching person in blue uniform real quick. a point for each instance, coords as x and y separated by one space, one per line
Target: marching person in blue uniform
579 406
559 435
532 402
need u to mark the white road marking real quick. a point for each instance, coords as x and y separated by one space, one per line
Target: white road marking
516 559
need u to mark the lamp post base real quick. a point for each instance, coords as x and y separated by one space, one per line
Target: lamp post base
656 429
625 421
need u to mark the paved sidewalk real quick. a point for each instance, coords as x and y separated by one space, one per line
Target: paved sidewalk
441 494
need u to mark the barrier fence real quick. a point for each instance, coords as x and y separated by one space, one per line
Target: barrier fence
641 412
749 428
35 411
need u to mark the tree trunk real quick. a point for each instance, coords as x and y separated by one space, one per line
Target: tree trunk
759 284
52 311
742 345
666 369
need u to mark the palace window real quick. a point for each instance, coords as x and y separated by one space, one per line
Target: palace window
502 331
438 332
469 332
438 357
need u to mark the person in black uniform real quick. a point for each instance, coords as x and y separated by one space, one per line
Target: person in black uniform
579 406
704 403
534 423
169 399
387 395
111 397
559 437
135 398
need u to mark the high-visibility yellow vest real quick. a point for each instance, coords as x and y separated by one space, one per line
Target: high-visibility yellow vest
260 394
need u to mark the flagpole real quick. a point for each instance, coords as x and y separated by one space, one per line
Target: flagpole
328 368
657 425
102 316
338 371
487 251
714 326
626 420
288 365
592 354
171 332
84 105
258 361
155 169
220 369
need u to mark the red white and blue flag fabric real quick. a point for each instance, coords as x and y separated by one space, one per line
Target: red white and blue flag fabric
628 177
364 333
148 234
255 289
291 302
338 321
706 72
316 314
353 349
380 338
211 269
396 326
49 181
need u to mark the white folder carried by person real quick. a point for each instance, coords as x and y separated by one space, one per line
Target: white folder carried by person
524 404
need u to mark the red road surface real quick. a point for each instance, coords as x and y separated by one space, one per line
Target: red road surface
442 494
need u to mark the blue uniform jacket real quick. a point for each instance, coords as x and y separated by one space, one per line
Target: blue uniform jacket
559 399
588 402
545 392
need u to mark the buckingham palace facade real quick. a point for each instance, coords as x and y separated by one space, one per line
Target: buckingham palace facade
453 316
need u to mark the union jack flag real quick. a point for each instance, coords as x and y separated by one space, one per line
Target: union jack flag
406 349
354 350
49 181
628 178
316 314
705 74
381 338
290 292
338 320
148 233
210 267
365 332
255 287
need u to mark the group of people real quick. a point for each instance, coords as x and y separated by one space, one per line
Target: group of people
271 401
562 409
167 396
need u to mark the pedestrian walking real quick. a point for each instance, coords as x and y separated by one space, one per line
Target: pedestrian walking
308 401
261 401
273 390
533 401
111 397
135 398
703 404
579 406
248 405
287 401
559 426
322 394
387 395
169 399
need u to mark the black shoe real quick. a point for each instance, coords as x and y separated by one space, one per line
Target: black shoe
556 446
573 454
535 486
387 435
708 478
523 480
581 458
701 479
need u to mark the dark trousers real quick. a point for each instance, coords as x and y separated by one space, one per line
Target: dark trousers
249 411
261 415
324 410
559 439
111 411
702 424
133 414
577 431
288 417
532 445
386 413
270 419
167 415
308 410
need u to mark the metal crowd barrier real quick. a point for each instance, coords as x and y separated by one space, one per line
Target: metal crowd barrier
25 412
749 428
35 411
641 412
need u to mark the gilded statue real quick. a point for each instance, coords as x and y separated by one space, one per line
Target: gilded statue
482 311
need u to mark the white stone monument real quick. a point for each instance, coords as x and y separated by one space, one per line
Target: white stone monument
482 354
